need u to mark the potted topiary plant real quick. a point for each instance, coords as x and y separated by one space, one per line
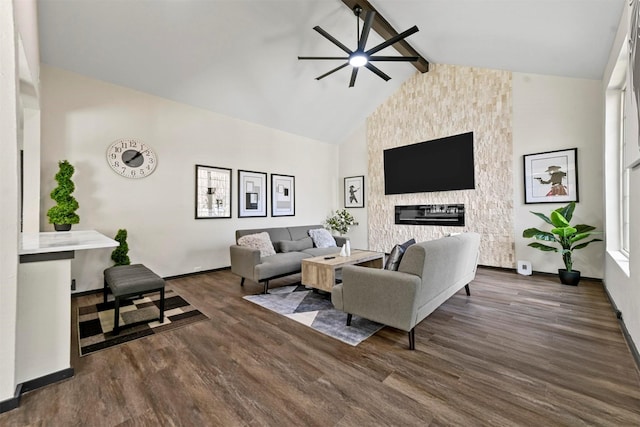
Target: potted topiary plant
564 234
63 214
119 254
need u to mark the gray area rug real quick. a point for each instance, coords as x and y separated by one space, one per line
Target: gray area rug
316 311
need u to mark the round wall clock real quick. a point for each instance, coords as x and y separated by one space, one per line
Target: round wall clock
131 158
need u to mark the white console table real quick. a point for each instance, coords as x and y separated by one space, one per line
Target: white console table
43 323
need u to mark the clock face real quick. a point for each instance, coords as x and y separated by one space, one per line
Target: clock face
131 158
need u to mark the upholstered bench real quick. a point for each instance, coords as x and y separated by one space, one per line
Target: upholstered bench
126 281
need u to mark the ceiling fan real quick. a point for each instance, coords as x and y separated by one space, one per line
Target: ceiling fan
361 57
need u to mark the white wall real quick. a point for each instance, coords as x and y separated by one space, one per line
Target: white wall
554 113
9 190
621 276
353 162
82 116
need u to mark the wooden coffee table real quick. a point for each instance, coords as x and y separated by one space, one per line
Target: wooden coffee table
320 273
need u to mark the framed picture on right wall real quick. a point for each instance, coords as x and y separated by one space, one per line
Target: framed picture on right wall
551 177
354 192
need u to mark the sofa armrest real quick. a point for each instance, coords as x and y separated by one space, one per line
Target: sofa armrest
384 296
243 260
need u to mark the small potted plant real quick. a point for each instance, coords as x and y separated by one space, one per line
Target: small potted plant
119 254
570 238
340 221
63 214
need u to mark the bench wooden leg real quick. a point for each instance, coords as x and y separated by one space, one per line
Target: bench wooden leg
116 317
162 305
466 288
349 319
242 282
266 286
104 291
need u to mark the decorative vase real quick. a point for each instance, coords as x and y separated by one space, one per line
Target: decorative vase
570 278
343 251
62 227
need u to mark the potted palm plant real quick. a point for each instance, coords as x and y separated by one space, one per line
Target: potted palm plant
570 238
63 214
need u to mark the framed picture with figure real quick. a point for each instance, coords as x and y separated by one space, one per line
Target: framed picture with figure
551 177
283 195
252 194
354 192
213 192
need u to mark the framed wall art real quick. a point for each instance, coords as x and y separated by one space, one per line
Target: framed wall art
252 194
551 177
354 192
213 192
283 195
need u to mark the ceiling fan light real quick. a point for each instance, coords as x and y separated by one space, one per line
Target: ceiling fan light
358 60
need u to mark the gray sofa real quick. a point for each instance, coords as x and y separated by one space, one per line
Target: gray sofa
429 274
292 245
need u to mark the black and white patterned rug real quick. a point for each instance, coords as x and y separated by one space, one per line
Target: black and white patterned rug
315 310
95 322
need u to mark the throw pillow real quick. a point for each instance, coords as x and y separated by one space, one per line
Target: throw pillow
322 238
296 245
394 258
260 241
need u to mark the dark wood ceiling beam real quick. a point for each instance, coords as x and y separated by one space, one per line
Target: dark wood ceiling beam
386 31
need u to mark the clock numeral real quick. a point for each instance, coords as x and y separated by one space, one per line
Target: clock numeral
141 171
150 159
123 144
113 156
116 164
133 144
124 170
118 149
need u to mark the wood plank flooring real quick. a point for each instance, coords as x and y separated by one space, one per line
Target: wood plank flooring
519 351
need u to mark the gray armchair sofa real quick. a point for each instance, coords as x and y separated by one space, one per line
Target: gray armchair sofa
429 274
292 245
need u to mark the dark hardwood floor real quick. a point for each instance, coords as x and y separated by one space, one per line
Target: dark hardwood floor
519 351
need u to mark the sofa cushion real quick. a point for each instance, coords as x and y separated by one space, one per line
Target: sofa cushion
295 245
322 238
279 264
394 258
260 241
299 232
322 251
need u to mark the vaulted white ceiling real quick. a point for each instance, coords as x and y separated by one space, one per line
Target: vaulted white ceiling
239 57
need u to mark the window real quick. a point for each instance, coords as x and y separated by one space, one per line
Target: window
624 178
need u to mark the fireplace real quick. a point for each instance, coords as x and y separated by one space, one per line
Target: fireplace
447 215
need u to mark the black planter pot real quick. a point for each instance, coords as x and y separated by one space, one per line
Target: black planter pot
571 278
62 227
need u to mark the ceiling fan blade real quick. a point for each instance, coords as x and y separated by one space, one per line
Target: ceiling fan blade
324 57
393 58
393 40
377 71
332 71
368 22
332 39
354 74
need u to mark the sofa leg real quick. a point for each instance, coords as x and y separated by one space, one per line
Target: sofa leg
348 319
242 282
412 339
266 287
466 288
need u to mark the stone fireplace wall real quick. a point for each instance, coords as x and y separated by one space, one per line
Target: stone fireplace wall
449 100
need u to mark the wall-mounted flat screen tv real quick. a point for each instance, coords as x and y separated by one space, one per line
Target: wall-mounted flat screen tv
443 164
